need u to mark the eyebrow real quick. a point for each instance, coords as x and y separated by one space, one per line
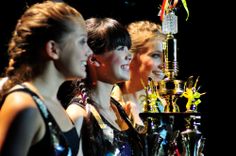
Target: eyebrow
157 51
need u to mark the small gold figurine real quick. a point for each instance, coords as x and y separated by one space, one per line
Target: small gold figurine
191 93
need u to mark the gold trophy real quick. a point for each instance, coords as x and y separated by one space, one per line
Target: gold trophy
170 139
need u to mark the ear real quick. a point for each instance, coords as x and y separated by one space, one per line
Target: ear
93 60
52 50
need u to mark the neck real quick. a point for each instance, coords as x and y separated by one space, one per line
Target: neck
48 82
132 86
101 95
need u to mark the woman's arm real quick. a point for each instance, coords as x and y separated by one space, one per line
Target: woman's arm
77 114
20 123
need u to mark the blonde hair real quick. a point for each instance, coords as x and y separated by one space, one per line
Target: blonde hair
143 31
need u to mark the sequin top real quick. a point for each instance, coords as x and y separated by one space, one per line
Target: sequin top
100 138
54 142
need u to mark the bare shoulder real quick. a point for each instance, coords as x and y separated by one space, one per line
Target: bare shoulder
20 105
19 101
75 112
18 112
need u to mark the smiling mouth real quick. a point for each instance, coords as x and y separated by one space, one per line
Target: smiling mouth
83 63
158 73
125 67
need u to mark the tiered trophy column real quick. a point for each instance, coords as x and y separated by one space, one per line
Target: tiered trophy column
165 136
170 88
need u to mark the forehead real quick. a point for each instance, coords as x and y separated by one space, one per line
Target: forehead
77 29
78 24
154 45
111 54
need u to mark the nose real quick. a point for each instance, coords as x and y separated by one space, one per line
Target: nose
128 57
161 66
89 51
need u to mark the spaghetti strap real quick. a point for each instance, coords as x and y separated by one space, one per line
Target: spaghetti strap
127 120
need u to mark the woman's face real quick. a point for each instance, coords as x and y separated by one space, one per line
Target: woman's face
75 52
114 65
148 62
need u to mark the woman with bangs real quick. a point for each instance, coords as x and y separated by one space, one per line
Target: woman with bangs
105 128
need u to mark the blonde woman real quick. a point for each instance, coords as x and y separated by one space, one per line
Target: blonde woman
146 63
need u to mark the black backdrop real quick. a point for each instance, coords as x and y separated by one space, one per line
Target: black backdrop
191 40
193 45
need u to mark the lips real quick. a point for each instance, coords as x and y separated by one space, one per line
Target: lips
125 67
83 64
158 73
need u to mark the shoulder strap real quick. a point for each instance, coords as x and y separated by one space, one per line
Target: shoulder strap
90 108
18 90
127 120
58 139
122 112
41 106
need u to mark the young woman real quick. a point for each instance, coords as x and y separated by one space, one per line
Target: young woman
146 64
48 46
106 129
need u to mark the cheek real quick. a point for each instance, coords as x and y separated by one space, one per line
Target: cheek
147 65
76 57
145 69
117 61
81 50
82 53
157 63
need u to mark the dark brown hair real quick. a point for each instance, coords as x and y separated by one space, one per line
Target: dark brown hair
105 34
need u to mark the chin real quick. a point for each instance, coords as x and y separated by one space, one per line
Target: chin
83 76
157 79
124 78
78 76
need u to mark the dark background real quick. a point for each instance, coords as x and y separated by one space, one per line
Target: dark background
193 41
192 44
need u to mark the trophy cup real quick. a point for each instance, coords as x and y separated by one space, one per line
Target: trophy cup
170 138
